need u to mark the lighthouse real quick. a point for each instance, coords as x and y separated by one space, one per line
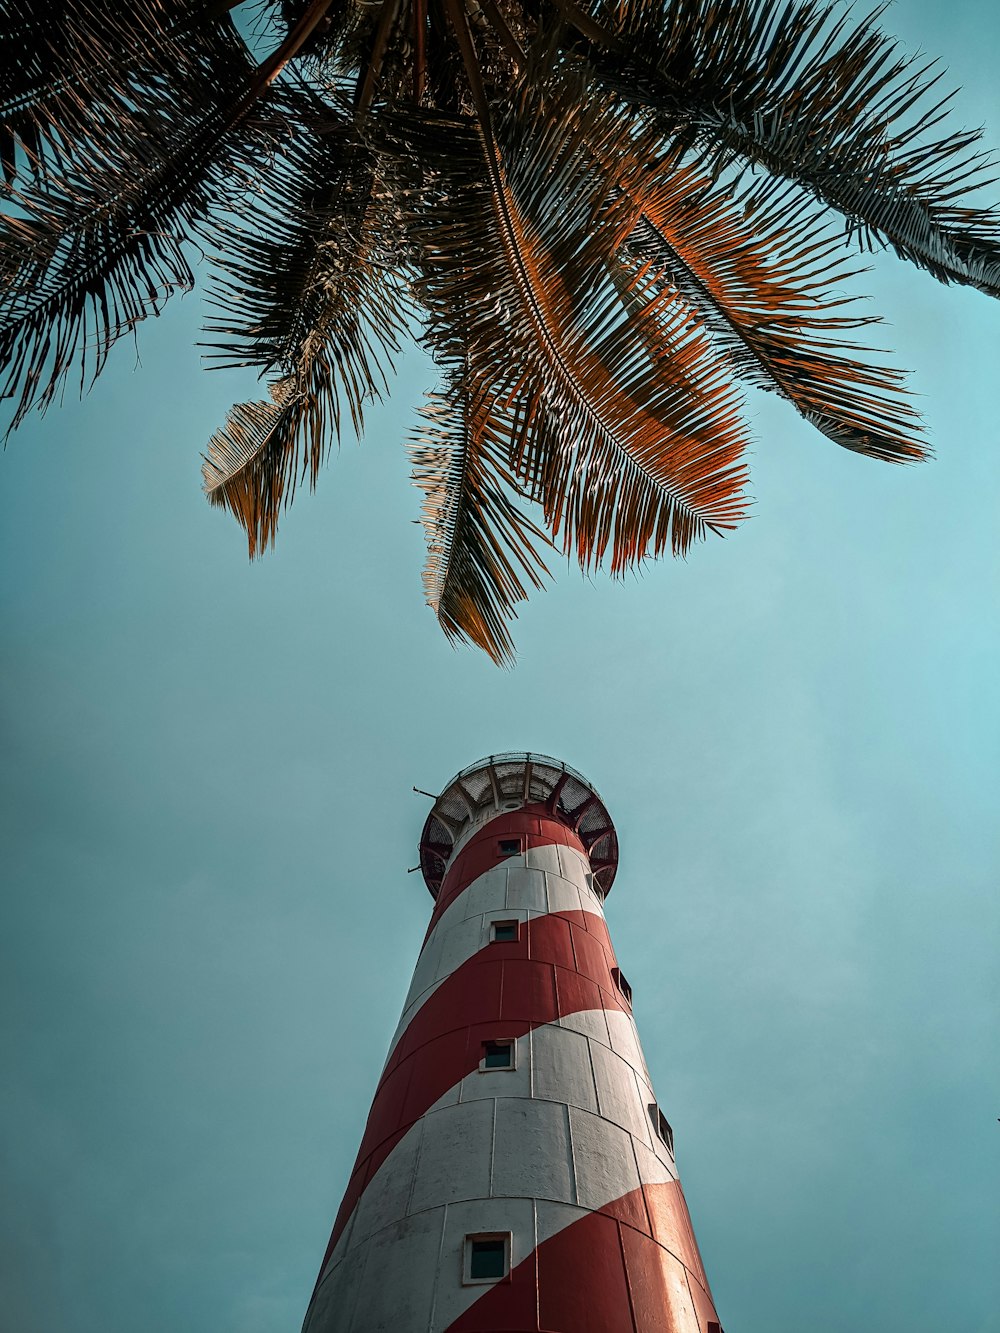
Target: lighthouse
517 1171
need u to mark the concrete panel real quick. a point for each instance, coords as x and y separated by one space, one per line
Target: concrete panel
543 858
488 1084
582 1284
336 1298
450 1098
703 1302
593 959
646 1093
591 1022
604 1161
397 1285
488 893
426 969
618 1093
454 1158
407 1016
551 1218
529 991
659 1290
421 986
458 944
654 1168
672 1227
645 1096
454 940
551 942
387 1195
451 1299
393 1173
531 1152
526 888
560 1067
575 866
565 896
625 1041
342 1246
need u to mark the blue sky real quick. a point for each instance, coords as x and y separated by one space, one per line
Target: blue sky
208 821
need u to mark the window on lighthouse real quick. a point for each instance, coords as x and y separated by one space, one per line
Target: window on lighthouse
662 1126
498 1055
510 846
487 1258
622 985
503 932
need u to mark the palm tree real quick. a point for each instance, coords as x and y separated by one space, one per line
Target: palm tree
606 214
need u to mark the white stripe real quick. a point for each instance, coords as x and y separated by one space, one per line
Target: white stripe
547 1131
509 891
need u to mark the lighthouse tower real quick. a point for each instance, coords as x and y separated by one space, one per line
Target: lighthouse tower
517 1172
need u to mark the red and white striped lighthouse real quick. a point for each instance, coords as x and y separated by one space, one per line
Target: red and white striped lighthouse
516 1172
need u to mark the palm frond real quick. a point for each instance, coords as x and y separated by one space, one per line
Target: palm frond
790 86
86 257
610 214
769 294
306 274
69 80
631 436
481 549
129 158
304 294
250 467
628 451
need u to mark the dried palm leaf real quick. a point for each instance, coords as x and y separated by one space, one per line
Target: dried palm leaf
771 297
247 467
481 548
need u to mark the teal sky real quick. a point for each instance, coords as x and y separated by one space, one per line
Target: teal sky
208 820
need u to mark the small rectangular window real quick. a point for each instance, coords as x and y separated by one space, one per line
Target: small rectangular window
714 1327
497 1055
662 1126
622 985
510 846
487 1258
503 932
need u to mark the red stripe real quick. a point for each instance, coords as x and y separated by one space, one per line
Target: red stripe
561 965
602 1275
534 823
